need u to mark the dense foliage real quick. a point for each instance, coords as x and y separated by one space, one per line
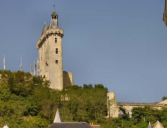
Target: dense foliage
27 102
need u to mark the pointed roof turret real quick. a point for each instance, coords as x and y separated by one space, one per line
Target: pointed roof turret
54 21
5 126
158 125
44 28
149 125
57 117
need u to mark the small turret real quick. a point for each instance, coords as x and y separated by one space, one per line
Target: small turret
54 20
54 15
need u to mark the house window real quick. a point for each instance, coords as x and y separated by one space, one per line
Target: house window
56 50
56 61
55 40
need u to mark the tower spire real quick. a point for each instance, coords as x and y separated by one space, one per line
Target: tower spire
34 68
4 62
21 64
37 66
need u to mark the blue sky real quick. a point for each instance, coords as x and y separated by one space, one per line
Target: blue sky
121 44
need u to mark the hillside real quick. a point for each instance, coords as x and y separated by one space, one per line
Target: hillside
27 102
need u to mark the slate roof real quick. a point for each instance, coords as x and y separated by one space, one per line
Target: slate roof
57 118
54 14
70 125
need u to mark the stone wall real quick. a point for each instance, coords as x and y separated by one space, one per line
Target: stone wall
114 106
67 79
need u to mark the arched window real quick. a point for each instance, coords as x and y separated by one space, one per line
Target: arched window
54 17
56 61
55 40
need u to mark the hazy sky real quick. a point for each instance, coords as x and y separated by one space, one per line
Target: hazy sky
119 43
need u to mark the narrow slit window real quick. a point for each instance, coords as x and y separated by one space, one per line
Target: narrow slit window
56 61
55 40
56 50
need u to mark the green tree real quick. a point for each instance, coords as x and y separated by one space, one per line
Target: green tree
164 98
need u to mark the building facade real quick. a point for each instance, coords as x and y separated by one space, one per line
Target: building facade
50 55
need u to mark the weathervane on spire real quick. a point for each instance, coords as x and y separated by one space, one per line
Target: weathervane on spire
54 7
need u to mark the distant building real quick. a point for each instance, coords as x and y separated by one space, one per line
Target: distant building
165 13
164 103
114 110
59 124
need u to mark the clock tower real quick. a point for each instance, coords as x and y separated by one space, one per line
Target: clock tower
50 53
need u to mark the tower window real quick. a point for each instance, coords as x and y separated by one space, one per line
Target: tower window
55 40
56 61
54 17
56 50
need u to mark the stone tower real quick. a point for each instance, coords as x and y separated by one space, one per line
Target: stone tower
113 109
50 53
